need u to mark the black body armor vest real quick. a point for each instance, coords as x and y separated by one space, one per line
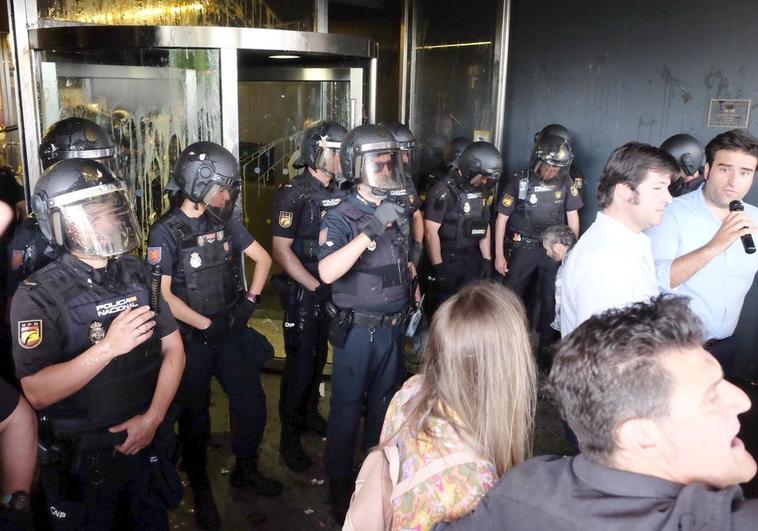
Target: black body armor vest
380 276
538 206
465 225
125 387
211 270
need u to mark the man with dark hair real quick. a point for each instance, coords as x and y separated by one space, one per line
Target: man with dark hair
657 427
611 265
697 247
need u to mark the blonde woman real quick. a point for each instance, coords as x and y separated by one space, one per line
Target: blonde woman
476 392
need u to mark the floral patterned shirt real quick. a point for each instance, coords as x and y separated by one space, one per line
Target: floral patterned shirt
446 496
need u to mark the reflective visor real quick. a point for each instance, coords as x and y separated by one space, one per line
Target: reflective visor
328 159
382 170
102 226
220 200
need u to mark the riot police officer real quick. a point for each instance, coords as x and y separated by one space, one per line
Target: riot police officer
197 245
559 130
299 206
65 139
363 253
533 200
450 154
407 141
94 360
457 217
690 156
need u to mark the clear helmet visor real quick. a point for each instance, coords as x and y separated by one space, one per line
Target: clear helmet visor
409 160
220 201
382 170
328 161
103 226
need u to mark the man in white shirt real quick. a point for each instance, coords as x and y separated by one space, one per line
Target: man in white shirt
612 265
697 247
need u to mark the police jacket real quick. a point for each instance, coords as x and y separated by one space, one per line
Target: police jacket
299 206
206 273
29 251
65 308
462 212
533 205
379 279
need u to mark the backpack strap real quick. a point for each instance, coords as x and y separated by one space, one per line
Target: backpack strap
433 468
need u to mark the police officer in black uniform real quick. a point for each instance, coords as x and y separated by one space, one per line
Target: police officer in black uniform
407 141
559 130
690 156
364 255
457 221
66 139
94 360
299 206
197 245
533 200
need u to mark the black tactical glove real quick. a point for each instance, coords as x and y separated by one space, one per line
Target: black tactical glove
442 278
217 330
323 292
242 313
485 270
386 213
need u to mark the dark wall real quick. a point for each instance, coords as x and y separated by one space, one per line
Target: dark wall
618 71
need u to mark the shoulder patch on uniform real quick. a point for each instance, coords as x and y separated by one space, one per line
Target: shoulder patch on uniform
507 200
574 190
154 255
285 219
578 182
30 333
322 236
17 260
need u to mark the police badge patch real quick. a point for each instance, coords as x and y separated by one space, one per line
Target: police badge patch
17 260
96 331
194 260
574 190
371 246
285 219
507 200
154 255
30 333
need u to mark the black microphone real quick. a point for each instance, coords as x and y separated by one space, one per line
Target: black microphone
747 239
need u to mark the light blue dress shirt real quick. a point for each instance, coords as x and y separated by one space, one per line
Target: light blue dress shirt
718 289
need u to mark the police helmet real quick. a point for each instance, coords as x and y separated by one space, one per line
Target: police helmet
370 155
481 158
403 136
83 207
686 150
556 130
453 150
208 173
76 138
320 147
553 150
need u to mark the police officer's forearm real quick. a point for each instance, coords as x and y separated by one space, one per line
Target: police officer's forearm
56 382
334 266
262 261
485 246
432 241
572 219
18 448
169 376
285 257
500 223
417 226
180 309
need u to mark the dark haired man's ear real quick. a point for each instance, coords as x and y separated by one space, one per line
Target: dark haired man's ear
706 170
638 438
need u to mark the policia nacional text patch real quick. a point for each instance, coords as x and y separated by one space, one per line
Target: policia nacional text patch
30 333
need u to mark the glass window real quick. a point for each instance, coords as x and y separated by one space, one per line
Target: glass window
291 15
452 75
152 102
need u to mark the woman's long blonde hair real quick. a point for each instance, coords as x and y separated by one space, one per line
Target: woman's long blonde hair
478 363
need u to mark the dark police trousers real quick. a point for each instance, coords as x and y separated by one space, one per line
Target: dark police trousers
369 367
235 361
461 267
87 497
526 261
306 327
